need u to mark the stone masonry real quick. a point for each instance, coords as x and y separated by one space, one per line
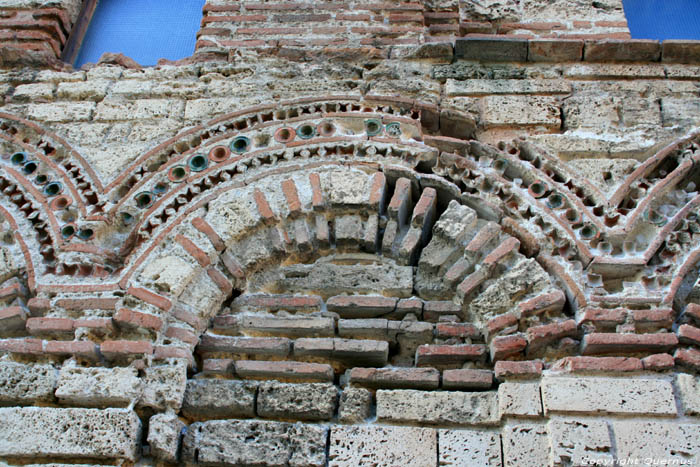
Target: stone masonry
378 233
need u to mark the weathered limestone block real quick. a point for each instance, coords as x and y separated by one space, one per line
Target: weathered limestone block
574 442
98 387
169 274
525 445
519 399
469 447
254 442
355 405
345 188
674 442
164 386
480 87
334 279
525 276
69 433
608 395
219 398
520 110
304 401
233 214
445 407
351 446
164 433
202 295
20 384
689 391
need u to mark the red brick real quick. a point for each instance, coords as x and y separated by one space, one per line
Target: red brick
400 200
658 362
164 352
217 366
545 303
317 193
539 337
509 246
433 310
204 227
38 326
616 50
273 302
12 318
688 334
529 244
598 364
396 378
284 371
652 320
263 207
424 209
693 310
501 322
180 313
289 189
278 346
182 334
232 265
12 290
193 250
377 190
467 379
39 306
409 305
113 350
471 283
232 19
82 304
530 369
220 280
150 298
457 330
127 317
208 7
355 352
81 349
484 237
604 316
680 51
98 326
507 346
688 358
430 355
25 346
603 343
361 306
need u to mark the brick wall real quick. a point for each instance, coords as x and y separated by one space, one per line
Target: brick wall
441 250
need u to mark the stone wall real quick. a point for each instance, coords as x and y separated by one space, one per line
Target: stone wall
421 250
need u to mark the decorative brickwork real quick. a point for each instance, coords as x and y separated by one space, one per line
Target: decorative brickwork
364 241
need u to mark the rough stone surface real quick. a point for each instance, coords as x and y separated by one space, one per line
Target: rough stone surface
445 408
355 405
574 442
304 401
651 439
69 433
525 445
251 442
608 395
469 447
382 445
27 383
164 386
689 392
164 434
98 387
219 398
519 399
